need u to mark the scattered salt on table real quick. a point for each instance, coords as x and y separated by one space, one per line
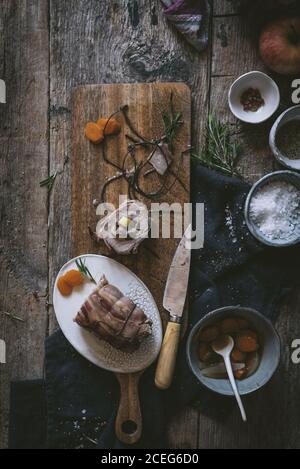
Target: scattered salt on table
275 210
229 224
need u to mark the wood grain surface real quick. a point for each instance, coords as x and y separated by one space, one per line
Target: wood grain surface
47 47
167 357
24 128
147 103
129 420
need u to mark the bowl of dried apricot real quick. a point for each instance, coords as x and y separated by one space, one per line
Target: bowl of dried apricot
256 353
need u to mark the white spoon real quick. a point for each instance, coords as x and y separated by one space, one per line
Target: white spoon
224 346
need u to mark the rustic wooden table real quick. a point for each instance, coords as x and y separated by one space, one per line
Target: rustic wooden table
46 48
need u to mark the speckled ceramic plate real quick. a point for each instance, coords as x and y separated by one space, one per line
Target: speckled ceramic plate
88 345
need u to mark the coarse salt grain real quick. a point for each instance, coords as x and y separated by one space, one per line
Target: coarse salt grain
275 210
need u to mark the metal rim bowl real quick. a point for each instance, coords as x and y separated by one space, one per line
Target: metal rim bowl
292 114
270 355
269 90
288 176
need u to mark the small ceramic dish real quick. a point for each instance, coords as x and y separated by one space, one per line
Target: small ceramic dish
292 114
268 90
270 351
286 176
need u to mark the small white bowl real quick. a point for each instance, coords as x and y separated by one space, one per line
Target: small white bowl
269 92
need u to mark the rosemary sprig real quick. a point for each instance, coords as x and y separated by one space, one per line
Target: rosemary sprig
172 121
171 124
49 181
84 270
220 153
12 316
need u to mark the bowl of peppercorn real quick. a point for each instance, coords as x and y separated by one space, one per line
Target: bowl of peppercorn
254 97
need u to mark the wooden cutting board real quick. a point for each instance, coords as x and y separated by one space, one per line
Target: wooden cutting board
147 103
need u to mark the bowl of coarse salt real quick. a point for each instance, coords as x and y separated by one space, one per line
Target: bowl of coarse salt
272 209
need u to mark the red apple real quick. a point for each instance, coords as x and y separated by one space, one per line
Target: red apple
279 46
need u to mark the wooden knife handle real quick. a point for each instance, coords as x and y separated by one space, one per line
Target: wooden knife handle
167 358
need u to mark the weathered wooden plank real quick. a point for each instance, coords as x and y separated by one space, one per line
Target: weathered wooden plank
234 54
142 48
225 7
288 384
23 206
183 430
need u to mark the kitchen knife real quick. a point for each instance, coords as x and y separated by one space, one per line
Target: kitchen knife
174 301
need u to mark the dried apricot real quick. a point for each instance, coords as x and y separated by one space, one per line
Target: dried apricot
93 132
74 278
237 356
209 334
204 352
247 341
239 374
64 288
243 323
109 126
229 326
252 363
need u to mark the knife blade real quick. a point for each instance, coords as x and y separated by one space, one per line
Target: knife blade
178 278
174 301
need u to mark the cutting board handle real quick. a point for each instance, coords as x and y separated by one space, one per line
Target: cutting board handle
129 417
167 358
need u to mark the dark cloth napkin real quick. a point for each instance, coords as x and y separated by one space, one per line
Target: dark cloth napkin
77 404
190 18
258 13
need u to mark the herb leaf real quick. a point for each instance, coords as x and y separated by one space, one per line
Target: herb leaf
49 181
220 152
172 121
13 317
81 266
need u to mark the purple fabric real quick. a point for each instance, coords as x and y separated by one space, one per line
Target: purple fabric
185 7
191 19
